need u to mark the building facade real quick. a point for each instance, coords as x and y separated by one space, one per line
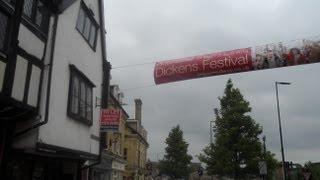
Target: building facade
114 140
136 145
125 153
52 69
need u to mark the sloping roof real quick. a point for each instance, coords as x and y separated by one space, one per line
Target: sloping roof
114 99
137 133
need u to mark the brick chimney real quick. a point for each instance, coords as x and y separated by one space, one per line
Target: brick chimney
138 107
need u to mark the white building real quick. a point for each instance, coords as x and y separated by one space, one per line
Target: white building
53 69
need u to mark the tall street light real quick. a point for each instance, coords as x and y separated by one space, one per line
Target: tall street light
280 129
211 129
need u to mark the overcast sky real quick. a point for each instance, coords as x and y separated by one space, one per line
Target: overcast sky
142 31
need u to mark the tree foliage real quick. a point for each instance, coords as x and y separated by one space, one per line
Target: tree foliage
236 149
176 160
314 168
272 164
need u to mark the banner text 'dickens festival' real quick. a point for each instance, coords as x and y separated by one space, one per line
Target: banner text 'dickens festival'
240 60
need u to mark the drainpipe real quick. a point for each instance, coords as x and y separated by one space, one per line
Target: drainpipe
106 67
53 40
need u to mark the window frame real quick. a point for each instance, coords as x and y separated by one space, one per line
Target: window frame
87 14
30 22
75 72
3 50
125 153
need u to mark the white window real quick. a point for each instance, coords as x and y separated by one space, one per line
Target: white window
87 26
80 96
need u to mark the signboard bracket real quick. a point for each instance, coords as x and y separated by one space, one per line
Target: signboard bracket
98 102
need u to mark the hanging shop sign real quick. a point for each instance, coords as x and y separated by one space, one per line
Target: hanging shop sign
110 120
241 60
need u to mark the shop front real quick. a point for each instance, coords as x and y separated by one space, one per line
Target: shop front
118 168
103 171
47 163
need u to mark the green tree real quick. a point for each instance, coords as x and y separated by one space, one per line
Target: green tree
314 168
236 149
272 164
176 161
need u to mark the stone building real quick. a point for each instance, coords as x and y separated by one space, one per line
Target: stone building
136 145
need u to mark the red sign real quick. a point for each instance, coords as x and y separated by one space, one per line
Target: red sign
202 66
249 59
110 119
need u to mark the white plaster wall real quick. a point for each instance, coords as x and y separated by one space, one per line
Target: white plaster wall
2 71
71 48
19 78
29 139
34 86
30 42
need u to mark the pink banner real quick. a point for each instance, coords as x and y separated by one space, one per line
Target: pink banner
202 66
249 59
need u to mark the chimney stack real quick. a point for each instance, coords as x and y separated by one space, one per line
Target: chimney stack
138 107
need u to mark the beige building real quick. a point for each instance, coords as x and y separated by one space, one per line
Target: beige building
136 145
112 165
126 146
115 140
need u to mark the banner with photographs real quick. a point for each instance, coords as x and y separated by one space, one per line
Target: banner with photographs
287 54
267 56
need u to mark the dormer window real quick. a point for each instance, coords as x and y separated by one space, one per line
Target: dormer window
80 96
87 25
36 15
3 31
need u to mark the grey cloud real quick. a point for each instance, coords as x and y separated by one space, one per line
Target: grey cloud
148 30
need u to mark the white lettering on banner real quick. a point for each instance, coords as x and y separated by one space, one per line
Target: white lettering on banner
268 56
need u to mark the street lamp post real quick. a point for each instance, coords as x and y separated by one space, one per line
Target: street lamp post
280 129
211 136
264 174
211 129
264 146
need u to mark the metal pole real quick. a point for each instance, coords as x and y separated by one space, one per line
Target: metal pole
211 132
211 141
264 154
280 131
264 147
